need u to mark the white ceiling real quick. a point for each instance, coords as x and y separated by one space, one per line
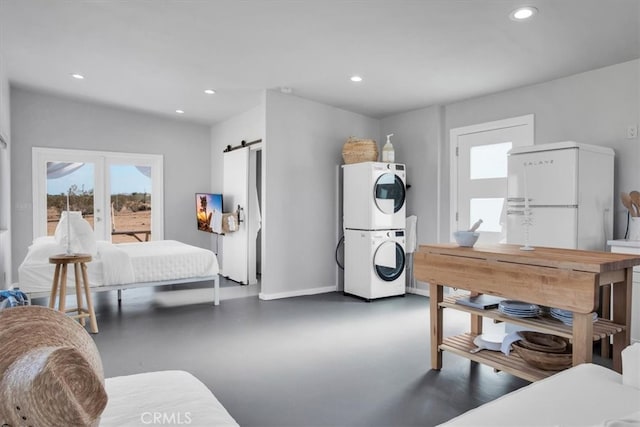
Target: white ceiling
159 56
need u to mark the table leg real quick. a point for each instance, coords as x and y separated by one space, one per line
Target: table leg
216 290
622 316
606 314
76 270
54 287
435 313
87 293
476 320
582 338
476 324
63 289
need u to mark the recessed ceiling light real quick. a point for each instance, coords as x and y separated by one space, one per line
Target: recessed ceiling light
180 111
209 91
356 79
523 13
77 76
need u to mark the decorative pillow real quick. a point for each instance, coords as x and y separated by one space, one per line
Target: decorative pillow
81 235
50 370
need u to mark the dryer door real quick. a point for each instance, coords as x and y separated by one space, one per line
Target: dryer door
389 193
389 261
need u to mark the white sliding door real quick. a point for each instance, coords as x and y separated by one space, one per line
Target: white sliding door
240 190
236 196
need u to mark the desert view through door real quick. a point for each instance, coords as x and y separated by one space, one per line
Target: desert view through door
114 192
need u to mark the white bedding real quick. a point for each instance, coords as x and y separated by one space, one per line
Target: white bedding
162 398
585 395
119 264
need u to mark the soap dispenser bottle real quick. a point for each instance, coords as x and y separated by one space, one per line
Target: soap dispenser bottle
388 155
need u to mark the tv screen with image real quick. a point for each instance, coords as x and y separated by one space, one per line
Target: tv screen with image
209 212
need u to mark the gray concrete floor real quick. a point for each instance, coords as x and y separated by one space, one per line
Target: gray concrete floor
322 360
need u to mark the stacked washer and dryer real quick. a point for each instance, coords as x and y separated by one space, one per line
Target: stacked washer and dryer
374 220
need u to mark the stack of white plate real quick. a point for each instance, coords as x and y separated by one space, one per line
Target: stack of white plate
565 316
518 308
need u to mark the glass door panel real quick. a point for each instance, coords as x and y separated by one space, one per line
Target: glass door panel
131 202
69 185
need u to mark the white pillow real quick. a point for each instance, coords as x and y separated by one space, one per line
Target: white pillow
39 252
82 239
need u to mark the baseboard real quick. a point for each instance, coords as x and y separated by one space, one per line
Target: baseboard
301 292
418 291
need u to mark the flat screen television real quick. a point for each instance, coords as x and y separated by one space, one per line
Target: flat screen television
209 212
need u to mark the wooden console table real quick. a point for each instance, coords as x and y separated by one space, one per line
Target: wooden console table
561 278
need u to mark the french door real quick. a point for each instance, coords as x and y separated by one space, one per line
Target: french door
479 174
119 194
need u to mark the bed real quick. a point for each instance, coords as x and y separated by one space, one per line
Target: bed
165 397
121 266
585 395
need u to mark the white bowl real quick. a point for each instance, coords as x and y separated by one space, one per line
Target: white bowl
466 238
491 342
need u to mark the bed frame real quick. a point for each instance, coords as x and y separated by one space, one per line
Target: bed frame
120 288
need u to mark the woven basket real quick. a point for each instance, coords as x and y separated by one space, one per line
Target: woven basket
50 370
359 150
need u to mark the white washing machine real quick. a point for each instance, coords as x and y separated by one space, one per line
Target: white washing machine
374 263
374 196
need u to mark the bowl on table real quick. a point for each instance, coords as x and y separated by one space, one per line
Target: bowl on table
546 343
466 238
544 360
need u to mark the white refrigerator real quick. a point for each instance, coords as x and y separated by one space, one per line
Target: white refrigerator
569 187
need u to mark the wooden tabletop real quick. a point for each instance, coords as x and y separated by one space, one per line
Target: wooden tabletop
66 259
569 259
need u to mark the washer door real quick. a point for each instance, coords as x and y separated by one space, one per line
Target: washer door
389 193
386 267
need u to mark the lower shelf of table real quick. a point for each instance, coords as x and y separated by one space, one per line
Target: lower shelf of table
602 328
512 364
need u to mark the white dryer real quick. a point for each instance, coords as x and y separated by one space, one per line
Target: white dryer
374 196
374 263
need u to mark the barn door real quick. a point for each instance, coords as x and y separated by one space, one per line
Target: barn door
235 261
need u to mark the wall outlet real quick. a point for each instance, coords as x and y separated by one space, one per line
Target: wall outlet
632 131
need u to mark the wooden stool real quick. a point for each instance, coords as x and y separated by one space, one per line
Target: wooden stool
60 283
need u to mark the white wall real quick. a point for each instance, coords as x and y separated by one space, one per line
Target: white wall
594 107
44 120
248 126
5 181
416 142
302 152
